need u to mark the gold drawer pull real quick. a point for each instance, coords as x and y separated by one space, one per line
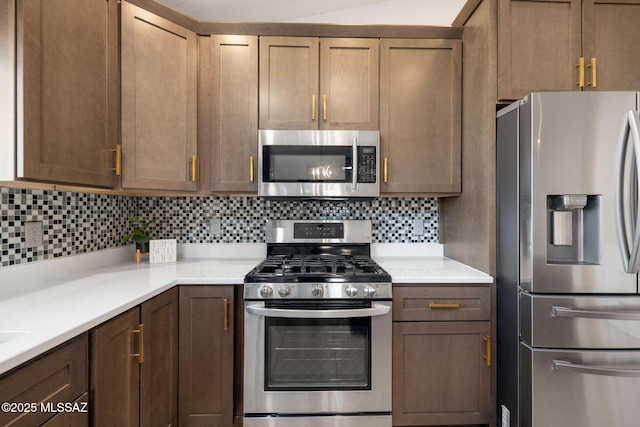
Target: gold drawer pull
580 67
313 107
251 177
193 168
324 107
140 353
487 340
444 305
593 72
385 170
118 159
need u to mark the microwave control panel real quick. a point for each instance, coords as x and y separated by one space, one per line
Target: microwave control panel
367 164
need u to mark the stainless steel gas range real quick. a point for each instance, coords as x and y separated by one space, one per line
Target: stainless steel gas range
317 338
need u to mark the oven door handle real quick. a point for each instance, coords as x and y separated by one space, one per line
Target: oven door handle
376 310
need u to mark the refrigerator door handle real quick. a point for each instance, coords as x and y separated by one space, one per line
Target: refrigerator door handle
561 365
557 311
630 253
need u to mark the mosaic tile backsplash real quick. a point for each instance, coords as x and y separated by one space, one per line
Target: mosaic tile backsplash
75 223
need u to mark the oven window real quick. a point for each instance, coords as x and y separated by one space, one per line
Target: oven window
289 163
318 354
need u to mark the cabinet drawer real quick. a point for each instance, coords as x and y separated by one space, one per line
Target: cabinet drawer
59 376
445 303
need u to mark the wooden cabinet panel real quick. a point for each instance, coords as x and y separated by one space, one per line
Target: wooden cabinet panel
159 102
440 374
75 418
349 84
59 376
159 372
610 32
234 105
420 98
114 376
67 93
438 303
289 69
538 46
206 356
311 83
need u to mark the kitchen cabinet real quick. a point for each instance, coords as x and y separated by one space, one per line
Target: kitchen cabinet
58 376
319 83
229 100
159 102
441 355
206 356
420 110
66 91
134 359
567 45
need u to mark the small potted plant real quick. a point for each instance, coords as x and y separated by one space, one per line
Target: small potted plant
140 233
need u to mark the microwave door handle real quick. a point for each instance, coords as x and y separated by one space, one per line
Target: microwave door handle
354 167
375 310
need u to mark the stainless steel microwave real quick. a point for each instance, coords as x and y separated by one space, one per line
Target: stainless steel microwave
318 164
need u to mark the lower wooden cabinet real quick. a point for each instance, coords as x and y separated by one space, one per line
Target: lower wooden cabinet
206 356
441 355
57 377
134 360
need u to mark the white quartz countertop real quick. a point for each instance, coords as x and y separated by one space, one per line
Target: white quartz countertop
46 303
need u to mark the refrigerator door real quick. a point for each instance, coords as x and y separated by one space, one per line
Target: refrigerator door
567 191
580 321
584 388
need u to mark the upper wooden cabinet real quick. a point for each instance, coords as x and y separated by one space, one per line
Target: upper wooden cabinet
159 102
67 90
420 109
567 45
312 83
229 112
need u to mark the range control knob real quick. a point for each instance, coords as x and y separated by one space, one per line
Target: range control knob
284 291
266 291
351 291
317 291
369 291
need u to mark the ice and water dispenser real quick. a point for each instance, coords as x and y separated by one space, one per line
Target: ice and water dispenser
573 229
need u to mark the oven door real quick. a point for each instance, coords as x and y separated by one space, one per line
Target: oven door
318 164
307 357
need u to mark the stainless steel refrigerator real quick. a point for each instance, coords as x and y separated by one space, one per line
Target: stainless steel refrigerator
568 249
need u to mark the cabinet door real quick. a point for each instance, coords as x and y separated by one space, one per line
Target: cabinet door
610 35
349 83
67 95
114 393
159 102
289 68
159 371
206 356
440 373
420 115
234 93
539 44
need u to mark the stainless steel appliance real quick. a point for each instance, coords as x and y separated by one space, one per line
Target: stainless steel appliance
318 164
317 334
567 260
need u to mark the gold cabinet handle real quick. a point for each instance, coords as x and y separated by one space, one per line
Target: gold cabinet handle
225 320
140 353
385 170
580 67
487 356
251 168
592 65
324 107
118 159
313 107
444 305
193 168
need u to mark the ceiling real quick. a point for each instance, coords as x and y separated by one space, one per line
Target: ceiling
394 12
